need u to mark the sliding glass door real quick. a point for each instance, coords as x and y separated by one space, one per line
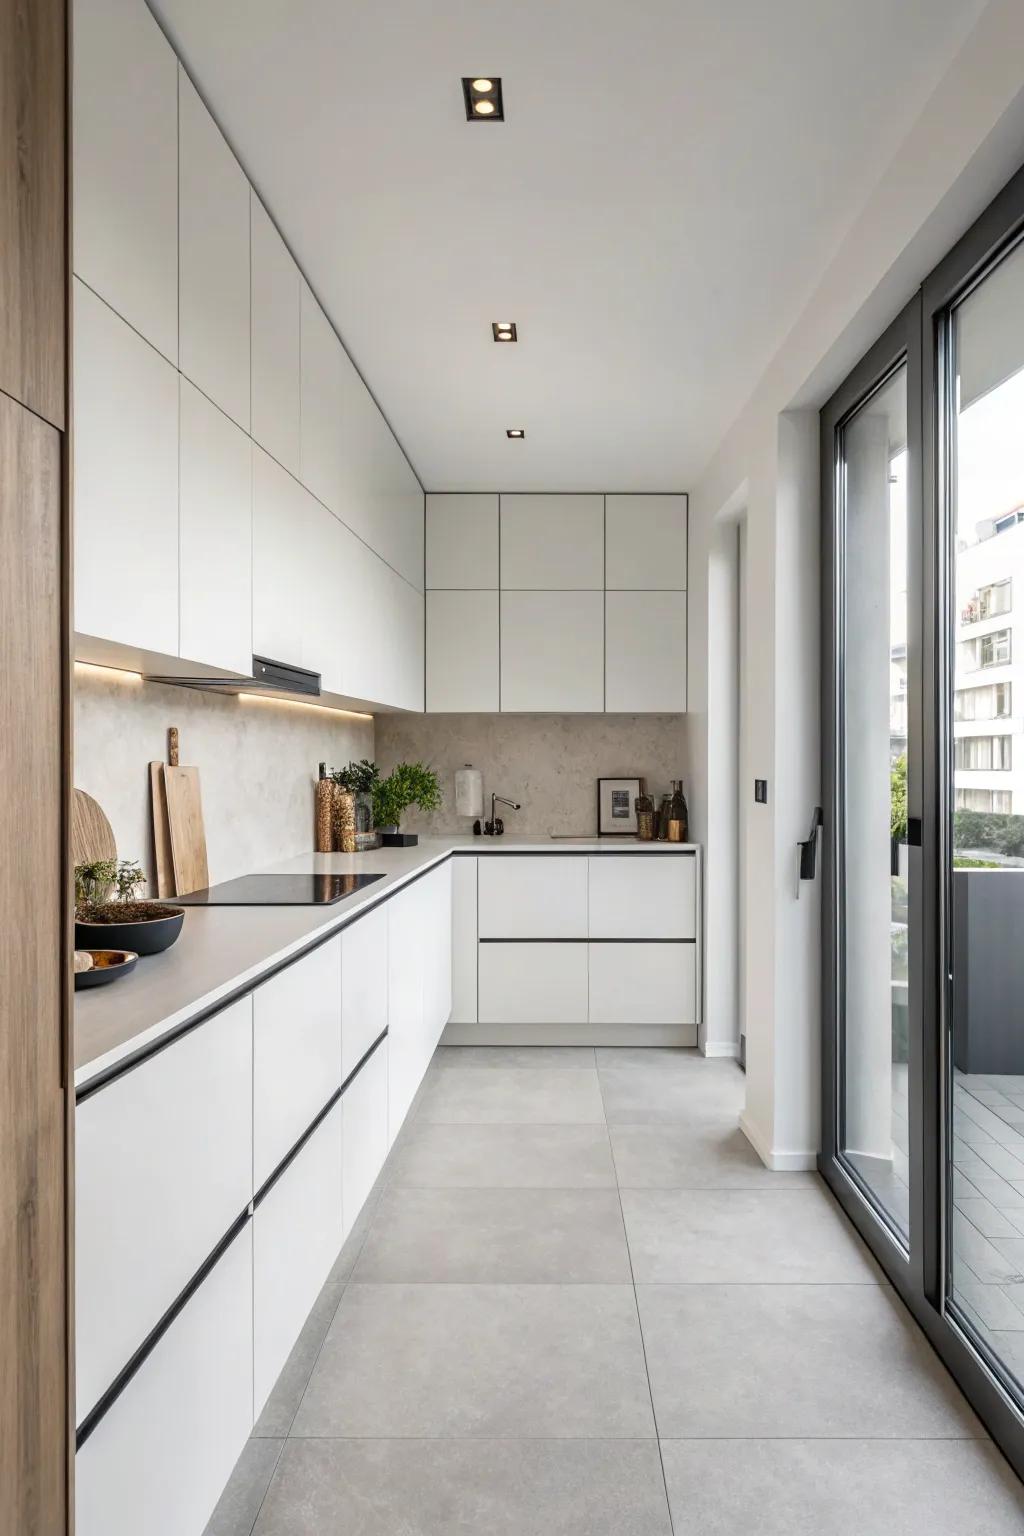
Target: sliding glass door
923 786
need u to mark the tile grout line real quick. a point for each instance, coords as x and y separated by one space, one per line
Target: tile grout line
639 1324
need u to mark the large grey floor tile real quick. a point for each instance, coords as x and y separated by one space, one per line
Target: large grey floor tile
467 1488
513 1095
533 1361
666 1090
841 1488
694 1156
504 1156
555 1235
513 1056
802 1361
240 1502
757 1236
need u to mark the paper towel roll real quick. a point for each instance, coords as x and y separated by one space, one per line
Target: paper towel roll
469 791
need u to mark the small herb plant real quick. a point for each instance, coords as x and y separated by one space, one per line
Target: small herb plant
358 777
898 800
94 882
409 784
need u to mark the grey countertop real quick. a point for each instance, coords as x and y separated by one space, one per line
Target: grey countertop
224 949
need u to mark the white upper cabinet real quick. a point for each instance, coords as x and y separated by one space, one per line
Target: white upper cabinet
213 259
645 543
126 482
381 498
281 537
552 543
645 649
276 287
552 652
462 652
216 536
323 396
462 540
125 182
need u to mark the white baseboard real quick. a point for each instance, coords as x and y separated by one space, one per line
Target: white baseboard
570 1034
728 1048
778 1162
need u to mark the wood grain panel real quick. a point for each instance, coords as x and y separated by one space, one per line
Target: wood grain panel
33 897
32 205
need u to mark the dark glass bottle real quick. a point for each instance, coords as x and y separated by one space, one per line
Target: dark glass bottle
678 819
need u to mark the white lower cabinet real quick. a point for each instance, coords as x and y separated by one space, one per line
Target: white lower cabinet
297 1232
464 940
642 896
158 1460
364 1134
533 983
163 1166
643 983
419 984
533 896
296 1053
364 986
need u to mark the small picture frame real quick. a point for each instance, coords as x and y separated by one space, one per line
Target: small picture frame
616 807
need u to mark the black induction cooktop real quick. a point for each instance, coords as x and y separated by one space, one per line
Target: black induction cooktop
278 891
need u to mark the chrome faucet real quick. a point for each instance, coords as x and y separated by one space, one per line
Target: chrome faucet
495 827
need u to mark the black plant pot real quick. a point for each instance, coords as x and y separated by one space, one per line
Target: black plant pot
148 937
400 839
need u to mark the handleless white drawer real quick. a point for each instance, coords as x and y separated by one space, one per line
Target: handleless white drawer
296 1053
163 1166
643 983
364 986
643 896
523 896
533 983
364 1134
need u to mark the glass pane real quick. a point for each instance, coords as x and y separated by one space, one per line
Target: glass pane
874 874
987 1014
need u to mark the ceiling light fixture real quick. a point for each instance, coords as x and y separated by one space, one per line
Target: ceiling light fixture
504 330
483 98
515 432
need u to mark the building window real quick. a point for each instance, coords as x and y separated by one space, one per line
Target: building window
994 801
994 649
992 702
995 598
981 754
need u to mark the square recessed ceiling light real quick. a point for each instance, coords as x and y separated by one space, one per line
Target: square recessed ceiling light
515 431
504 330
483 98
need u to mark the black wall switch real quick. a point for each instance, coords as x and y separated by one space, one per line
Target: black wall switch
761 791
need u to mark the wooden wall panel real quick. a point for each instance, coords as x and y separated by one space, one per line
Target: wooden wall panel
33 1260
33 248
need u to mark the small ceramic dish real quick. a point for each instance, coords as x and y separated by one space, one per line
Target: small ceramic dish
107 965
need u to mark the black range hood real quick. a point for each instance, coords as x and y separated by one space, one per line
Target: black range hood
267 677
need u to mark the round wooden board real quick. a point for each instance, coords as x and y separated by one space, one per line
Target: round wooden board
92 838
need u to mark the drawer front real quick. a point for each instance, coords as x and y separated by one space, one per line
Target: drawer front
464 940
406 980
643 983
533 983
296 1053
643 896
364 986
525 897
297 1233
364 1134
163 1166
159 1458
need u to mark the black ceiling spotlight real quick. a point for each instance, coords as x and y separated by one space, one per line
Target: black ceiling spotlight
484 102
504 330
515 432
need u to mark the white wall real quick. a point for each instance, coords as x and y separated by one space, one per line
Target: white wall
257 758
965 144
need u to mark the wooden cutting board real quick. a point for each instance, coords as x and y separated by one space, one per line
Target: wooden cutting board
163 859
185 829
92 838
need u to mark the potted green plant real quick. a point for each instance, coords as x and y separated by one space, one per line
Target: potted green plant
358 780
408 784
898 815
110 915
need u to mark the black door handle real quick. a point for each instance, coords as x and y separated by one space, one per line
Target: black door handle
809 848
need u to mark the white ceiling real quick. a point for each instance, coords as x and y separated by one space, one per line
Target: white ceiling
671 177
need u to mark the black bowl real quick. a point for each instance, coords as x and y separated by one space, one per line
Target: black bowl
148 937
111 963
